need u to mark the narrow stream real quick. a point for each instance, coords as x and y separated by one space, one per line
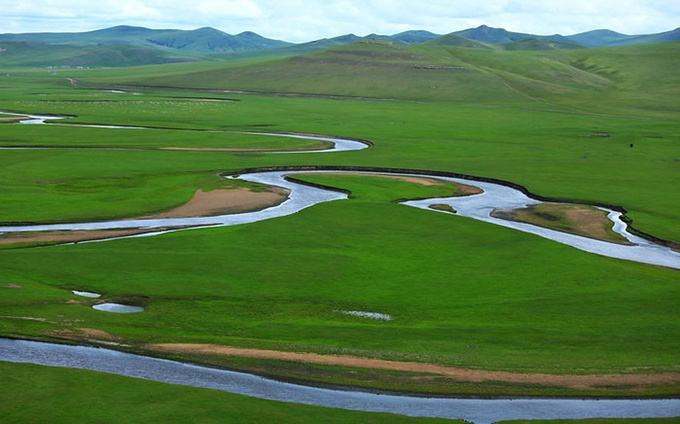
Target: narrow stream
478 411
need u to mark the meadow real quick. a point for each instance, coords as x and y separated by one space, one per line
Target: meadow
462 293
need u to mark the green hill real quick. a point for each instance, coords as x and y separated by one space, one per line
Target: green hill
430 71
638 76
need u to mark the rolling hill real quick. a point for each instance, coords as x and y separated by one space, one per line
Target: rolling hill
638 76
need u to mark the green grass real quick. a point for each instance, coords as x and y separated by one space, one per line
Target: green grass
463 292
67 396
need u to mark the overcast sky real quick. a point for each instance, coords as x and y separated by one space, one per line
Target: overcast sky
304 20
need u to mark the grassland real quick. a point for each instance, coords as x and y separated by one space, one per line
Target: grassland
463 293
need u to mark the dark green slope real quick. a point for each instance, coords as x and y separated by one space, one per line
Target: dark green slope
541 44
14 54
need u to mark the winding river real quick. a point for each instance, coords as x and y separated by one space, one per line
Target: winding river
479 207
337 144
478 411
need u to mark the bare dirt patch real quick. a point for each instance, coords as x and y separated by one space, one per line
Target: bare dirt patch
11 119
442 207
225 201
13 286
581 220
458 374
90 334
66 236
97 334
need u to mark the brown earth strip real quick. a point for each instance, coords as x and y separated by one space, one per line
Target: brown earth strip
66 236
455 373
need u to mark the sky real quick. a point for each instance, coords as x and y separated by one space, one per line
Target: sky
306 20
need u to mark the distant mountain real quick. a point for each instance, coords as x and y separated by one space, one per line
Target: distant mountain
130 45
406 38
210 40
663 37
607 38
322 44
202 40
599 38
114 35
414 37
490 35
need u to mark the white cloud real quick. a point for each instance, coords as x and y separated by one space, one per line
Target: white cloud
303 20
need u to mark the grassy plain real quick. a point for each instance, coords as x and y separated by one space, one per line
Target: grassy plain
463 293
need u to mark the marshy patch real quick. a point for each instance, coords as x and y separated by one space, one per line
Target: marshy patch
366 314
582 220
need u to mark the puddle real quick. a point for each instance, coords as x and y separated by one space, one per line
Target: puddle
118 308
